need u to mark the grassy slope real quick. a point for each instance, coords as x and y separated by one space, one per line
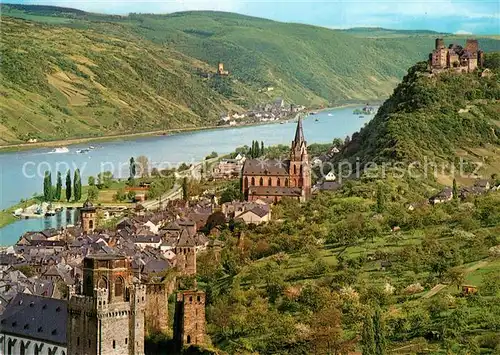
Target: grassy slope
105 74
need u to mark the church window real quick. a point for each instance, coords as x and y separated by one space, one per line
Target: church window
126 341
119 287
278 183
246 182
114 344
295 169
270 182
253 181
188 340
102 283
261 182
286 182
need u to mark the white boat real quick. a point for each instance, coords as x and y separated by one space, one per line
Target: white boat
91 147
60 150
330 115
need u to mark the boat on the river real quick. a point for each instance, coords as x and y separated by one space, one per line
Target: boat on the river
330 115
316 120
60 150
83 151
50 213
313 113
361 116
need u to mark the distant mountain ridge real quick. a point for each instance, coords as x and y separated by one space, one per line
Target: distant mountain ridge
108 74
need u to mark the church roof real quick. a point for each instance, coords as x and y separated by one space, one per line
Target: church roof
272 167
36 317
275 191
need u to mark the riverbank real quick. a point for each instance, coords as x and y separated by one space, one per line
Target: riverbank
125 136
6 215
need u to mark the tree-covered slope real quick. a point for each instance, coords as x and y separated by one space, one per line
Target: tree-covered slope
69 73
432 116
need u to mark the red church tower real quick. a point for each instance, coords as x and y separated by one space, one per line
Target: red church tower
272 179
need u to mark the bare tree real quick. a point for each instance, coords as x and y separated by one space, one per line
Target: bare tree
142 164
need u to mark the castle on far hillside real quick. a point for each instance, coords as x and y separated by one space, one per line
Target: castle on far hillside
456 57
221 71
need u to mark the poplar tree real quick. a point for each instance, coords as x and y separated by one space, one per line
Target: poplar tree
261 148
132 168
379 333
57 196
185 189
455 189
368 337
77 185
47 186
68 185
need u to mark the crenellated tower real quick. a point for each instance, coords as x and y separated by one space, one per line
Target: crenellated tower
189 322
107 318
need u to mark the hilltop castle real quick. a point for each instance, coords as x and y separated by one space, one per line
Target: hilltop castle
456 57
272 179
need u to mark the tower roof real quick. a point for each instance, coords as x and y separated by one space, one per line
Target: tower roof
299 133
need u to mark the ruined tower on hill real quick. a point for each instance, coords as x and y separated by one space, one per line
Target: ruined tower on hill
107 318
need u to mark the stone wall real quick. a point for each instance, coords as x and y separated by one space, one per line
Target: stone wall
156 311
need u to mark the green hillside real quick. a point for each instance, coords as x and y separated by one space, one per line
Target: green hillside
435 117
104 74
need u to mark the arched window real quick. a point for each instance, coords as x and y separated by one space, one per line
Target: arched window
294 182
102 283
269 182
278 182
253 181
91 224
188 340
286 182
246 182
119 286
261 182
295 169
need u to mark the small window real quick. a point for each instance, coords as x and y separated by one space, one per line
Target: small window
126 341
190 299
89 343
114 344
188 339
78 341
198 298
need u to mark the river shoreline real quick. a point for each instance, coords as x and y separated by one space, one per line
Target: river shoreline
75 141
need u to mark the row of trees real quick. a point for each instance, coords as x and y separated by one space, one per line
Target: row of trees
256 150
53 193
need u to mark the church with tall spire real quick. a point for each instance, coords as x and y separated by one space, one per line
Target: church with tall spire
271 180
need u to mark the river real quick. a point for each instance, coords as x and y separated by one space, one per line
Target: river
21 173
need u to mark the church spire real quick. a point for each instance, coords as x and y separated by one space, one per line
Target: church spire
299 133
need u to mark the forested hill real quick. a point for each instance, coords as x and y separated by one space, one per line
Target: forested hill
68 73
433 116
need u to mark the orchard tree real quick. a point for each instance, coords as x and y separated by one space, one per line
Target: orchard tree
91 181
93 193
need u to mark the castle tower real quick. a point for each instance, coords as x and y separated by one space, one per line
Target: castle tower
108 317
88 215
189 322
186 253
299 169
439 43
472 46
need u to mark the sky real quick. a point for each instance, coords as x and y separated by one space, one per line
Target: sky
453 16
